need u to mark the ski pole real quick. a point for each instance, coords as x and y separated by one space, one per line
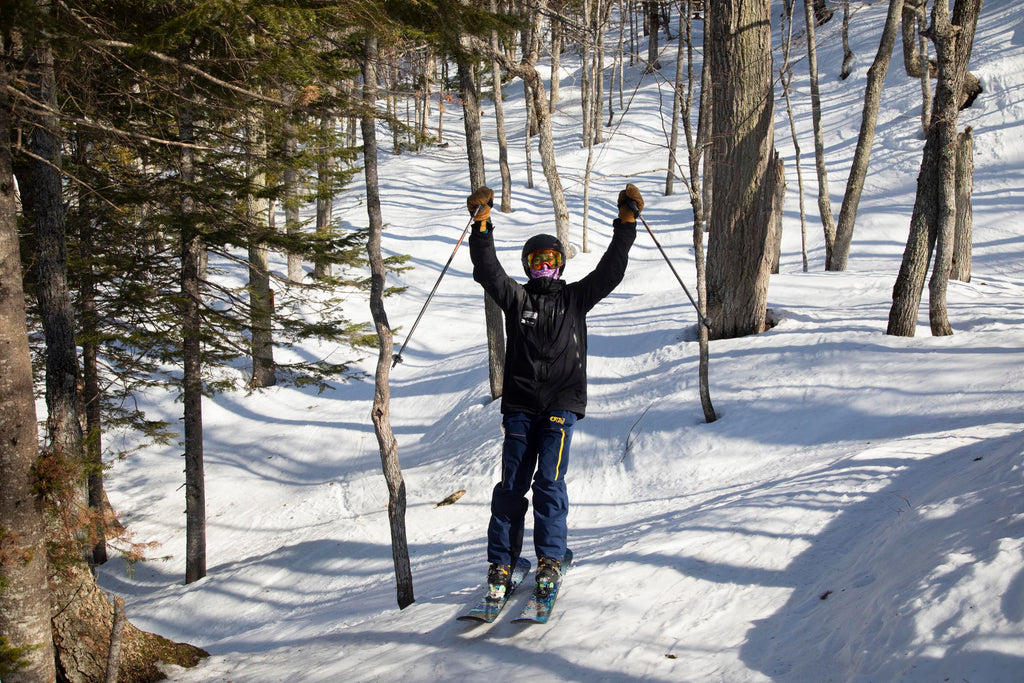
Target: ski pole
397 358
704 320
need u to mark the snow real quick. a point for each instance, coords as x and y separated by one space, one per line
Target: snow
856 513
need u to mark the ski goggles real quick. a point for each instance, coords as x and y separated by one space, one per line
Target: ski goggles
549 257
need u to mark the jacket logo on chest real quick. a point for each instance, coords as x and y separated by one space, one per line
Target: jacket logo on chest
528 318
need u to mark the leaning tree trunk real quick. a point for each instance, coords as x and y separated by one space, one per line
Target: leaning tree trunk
24 600
744 166
869 117
381 411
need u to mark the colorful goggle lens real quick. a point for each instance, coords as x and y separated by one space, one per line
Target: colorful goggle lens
540 257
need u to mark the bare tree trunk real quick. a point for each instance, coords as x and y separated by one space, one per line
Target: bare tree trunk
116 638
744 169
847 67
907 290
822 13
964 240
292 224
531 119
602 19
91 394
824 196
786 77
945 123
64 430
653 29
499 121
325 186
261 298
493 317
25 598
556 60
381 412
696 151
869 117
587 73
191 330
913 59
677 104
926 82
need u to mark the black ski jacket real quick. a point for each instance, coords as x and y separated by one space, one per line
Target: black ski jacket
545 325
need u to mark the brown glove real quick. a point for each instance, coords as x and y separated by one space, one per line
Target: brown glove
631 203
479 203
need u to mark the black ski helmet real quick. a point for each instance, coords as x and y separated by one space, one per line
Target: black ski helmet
541 242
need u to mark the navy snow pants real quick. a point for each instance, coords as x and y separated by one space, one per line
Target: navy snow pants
536 450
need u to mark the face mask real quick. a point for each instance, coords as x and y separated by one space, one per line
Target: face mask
544 271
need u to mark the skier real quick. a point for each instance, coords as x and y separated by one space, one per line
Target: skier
545 383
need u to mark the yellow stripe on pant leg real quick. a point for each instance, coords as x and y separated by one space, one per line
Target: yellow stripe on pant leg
561 447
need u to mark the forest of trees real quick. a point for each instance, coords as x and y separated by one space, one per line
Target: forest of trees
154 156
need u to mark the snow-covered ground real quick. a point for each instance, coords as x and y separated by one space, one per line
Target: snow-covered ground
857 513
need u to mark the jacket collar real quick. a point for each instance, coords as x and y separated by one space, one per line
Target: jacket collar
544 285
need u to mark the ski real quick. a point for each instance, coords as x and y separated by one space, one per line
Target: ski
539 609
487 610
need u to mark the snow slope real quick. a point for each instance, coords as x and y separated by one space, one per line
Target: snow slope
856 514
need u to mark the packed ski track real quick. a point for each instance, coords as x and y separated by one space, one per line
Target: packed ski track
856 513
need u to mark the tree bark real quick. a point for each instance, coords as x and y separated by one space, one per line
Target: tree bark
91 394
325 183
261 298
493 318
653 16
744 166
847 67
24 600
824 195
381 411
292 224
963 242
869 117
907 290
786 78
499 121
64 429
678 110
944 122
696 152
191 329
822 13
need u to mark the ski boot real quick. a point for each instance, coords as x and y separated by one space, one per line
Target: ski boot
499 578
548 573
